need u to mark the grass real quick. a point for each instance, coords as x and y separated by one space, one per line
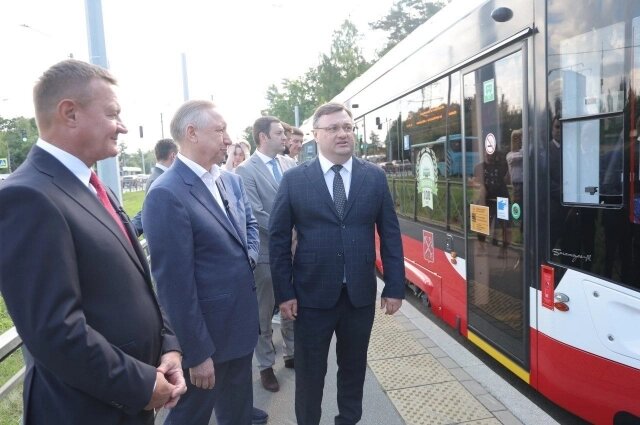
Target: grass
11 406
132 202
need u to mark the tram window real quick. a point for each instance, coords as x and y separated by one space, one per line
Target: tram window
586 70
592 162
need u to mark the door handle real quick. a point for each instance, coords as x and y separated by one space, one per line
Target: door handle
560 301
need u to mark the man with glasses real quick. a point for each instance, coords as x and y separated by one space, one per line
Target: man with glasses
335 202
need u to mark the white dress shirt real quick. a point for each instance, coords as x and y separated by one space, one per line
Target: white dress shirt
267 161
208 178
72 163
345 172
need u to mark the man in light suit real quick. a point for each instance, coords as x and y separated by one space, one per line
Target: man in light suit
261 175
204 243
336 203
165 151
72 273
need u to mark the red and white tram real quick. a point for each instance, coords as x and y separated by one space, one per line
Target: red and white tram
509 132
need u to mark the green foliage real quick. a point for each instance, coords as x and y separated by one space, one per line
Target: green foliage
247 135
19 134
404 17
318 85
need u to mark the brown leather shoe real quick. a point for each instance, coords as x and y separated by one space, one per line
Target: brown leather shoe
289 364
269 381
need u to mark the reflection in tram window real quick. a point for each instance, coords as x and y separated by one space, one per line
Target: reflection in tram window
593 156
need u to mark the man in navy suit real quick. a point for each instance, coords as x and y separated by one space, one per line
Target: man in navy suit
204 244
72 273
335 202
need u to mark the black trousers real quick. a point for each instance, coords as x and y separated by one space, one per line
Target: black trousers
313 331
231 397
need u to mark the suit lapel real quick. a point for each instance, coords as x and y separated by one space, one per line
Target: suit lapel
64 180
262 169
202 194
358 174
317 181
232 210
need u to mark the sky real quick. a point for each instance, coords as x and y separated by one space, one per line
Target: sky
235 50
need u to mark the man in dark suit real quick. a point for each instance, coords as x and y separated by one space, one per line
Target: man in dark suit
336 202
72 274
261 175
165 151
204 243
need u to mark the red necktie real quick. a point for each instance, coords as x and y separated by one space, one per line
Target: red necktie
104 199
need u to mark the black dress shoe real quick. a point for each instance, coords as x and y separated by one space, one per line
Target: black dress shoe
269 381
259 416
288 363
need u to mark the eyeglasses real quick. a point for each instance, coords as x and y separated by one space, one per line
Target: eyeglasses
333 129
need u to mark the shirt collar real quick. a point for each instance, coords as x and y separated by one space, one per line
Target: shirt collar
263 157
162 167
326 165
199 169
73 163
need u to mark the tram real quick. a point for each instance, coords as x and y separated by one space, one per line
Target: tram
529 242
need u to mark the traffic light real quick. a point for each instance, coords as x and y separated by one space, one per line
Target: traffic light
23 135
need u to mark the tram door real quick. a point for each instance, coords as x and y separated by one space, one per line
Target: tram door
494 99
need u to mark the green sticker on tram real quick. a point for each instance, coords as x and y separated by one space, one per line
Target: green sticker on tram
515 211
489 91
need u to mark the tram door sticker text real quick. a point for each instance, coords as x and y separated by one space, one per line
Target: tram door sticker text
479 219
427 176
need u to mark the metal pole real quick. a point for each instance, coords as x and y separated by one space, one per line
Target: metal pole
161 125
185 78
296 113
108 169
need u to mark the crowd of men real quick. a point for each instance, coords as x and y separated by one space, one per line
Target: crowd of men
109 339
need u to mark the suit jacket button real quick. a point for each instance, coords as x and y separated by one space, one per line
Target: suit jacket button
339 254
343 226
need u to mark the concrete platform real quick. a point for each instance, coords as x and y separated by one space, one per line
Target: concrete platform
417 375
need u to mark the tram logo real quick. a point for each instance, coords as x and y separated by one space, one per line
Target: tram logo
427 176
574 257
428 249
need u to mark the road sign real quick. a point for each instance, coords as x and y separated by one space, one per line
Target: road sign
4 163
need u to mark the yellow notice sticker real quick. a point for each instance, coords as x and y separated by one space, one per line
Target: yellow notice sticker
480 219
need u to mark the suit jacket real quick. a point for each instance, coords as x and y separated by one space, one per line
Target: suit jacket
200 262
330 247
262 188
155 173
81 297
137 219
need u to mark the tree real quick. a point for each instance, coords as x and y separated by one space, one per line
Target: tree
404 17
19 135
248 136
343 64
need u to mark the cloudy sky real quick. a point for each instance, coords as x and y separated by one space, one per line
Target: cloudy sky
234 51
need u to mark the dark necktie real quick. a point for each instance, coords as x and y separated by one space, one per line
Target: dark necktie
276 171
104 200
339 194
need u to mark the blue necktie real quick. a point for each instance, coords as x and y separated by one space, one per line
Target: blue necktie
276 170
